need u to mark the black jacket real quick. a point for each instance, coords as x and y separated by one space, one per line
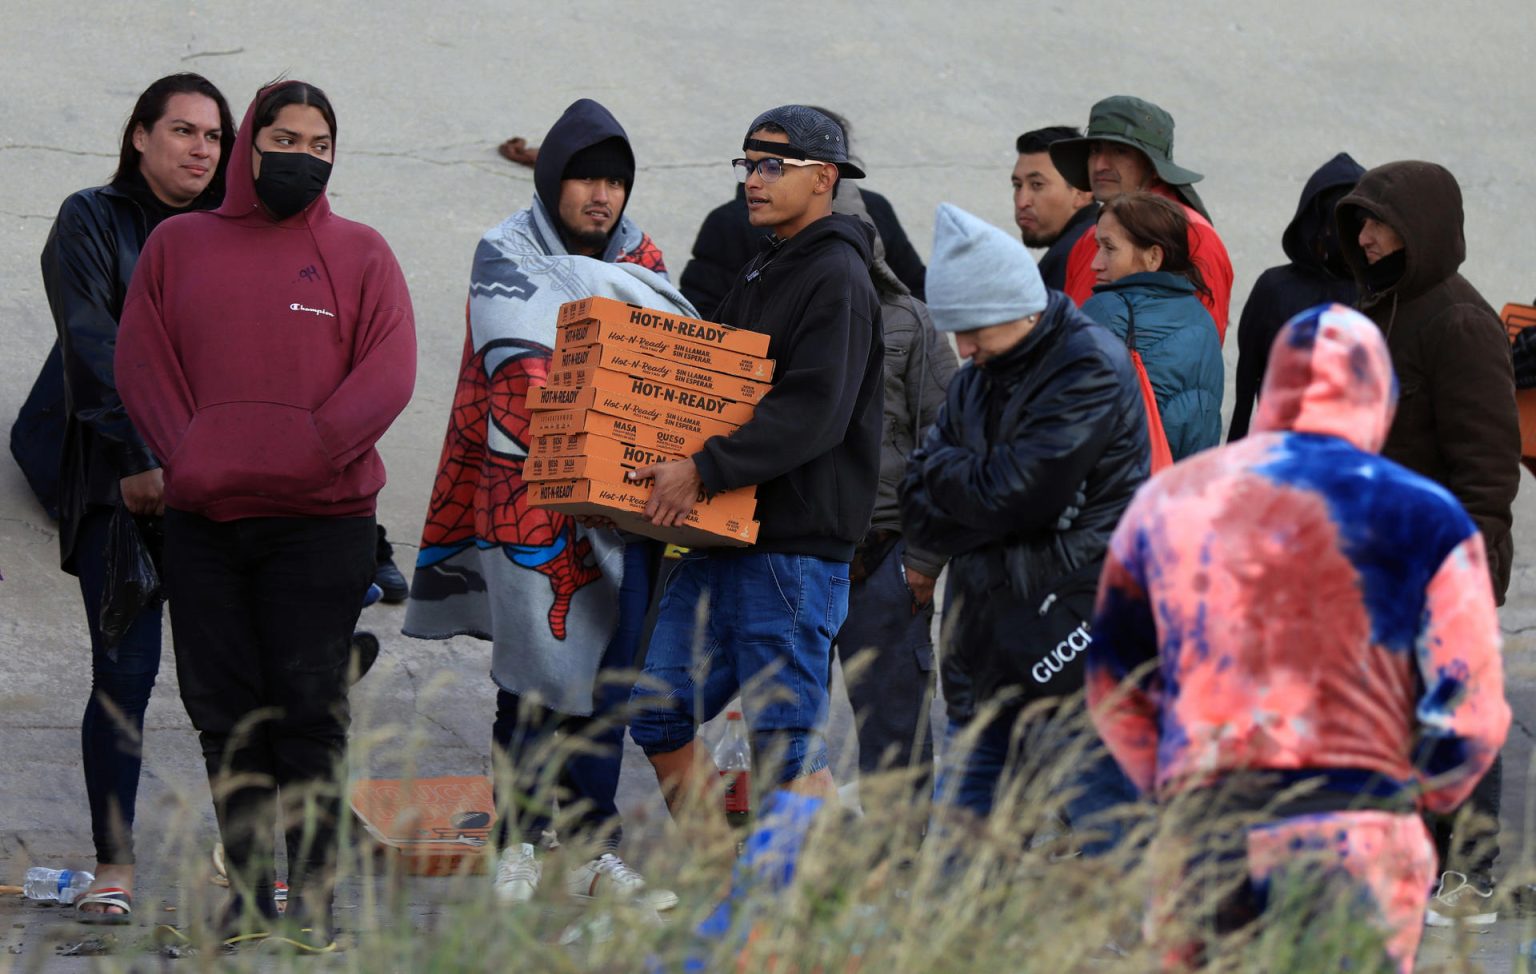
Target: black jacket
1053 263
996 483
813 445
727 240
1317 274
87 263
1456 421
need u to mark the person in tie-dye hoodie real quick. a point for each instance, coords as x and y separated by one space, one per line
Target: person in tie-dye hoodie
1297 621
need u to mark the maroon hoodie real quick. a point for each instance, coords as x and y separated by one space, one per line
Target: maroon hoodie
261 360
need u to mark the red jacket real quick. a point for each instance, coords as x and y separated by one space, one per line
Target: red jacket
1205 248
262 360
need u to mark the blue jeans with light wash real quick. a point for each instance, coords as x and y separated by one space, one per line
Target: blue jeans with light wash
761 624
971 781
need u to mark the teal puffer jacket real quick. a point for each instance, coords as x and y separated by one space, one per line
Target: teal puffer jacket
1177 341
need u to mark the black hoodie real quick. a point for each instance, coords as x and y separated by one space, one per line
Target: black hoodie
1456 420
1317 274
813 446
585 123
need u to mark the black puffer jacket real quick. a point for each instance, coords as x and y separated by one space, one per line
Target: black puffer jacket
1051 431
87 263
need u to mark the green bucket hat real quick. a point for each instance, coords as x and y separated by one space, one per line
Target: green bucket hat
1130 121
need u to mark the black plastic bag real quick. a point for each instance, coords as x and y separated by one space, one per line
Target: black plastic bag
133 574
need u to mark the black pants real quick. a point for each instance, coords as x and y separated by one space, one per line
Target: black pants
1473 852
893 693
262 612
112 730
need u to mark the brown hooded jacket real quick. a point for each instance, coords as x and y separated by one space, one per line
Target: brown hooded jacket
1456 421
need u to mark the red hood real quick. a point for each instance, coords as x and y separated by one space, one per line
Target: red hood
1329 372
240 186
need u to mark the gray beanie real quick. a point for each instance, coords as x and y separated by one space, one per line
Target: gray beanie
979 276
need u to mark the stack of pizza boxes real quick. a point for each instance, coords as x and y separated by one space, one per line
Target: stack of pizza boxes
631 386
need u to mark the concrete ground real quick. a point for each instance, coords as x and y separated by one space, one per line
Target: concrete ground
1263 93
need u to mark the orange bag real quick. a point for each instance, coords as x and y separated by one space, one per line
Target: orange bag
1162 455
1517 318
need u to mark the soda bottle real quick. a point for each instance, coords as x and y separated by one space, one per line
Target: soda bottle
733 756
61 885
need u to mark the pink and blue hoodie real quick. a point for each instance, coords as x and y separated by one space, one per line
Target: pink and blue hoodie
1294 603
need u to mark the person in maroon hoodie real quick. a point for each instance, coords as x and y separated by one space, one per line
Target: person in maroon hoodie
264 348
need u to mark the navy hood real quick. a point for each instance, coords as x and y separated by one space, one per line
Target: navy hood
1311 239
585 123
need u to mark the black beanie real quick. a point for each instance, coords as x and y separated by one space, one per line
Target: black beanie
610 158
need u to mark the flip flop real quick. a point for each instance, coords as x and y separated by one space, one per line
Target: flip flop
107 896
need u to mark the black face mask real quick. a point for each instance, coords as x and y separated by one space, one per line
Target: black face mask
290 181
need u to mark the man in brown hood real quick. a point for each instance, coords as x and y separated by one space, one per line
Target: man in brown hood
1401 230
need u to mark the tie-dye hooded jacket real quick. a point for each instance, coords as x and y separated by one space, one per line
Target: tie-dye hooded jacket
1312 609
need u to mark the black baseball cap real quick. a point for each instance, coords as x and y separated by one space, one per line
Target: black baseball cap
812 136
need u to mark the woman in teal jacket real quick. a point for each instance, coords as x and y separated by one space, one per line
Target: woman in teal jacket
1147 282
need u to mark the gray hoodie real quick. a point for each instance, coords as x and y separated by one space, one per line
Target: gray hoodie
919 363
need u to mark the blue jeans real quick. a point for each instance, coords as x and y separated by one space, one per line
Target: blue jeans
523 733
971 781
112 731
767 634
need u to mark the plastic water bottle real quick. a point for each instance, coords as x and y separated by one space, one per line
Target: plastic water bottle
56 885
733 756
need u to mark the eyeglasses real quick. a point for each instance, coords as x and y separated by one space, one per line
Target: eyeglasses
769 167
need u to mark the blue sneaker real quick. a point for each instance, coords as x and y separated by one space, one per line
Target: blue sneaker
373 594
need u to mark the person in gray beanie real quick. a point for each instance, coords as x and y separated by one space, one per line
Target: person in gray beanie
1040 444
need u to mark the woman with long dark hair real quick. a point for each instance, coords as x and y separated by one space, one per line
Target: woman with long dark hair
266 347
175 148
1147 284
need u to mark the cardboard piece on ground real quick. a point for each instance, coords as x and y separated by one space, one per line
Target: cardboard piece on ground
716 522
646 341
569 424
437 826
639 409
662 394
672 325
630 362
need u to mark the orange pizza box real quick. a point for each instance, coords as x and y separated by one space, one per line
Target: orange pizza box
656 344
598 445
641 410
620 358
591 468
724 520
668 324
568 425
437 826
675 397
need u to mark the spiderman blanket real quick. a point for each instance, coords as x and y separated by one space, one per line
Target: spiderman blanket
543 589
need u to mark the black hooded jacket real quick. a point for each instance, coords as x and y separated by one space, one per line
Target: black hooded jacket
1022 480
813 445
1456 420
585 123
1317 274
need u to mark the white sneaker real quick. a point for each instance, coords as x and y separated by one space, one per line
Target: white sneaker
608 875
517 874
1459 900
